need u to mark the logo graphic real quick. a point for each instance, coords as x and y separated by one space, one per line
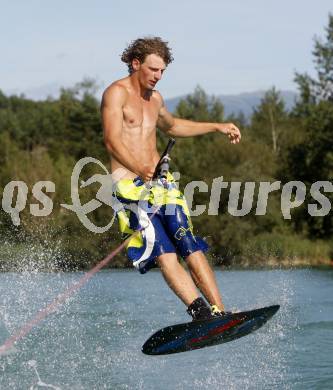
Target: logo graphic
105 194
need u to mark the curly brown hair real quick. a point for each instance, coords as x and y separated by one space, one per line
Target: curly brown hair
142 47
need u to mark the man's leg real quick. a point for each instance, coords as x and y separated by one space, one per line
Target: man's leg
204 278
177 278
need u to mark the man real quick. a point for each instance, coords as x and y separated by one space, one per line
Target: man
131 110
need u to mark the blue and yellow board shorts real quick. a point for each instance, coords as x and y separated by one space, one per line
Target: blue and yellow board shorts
161 215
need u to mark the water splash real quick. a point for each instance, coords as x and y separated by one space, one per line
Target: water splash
33 364
4 332
262 359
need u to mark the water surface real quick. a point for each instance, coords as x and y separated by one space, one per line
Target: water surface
94 340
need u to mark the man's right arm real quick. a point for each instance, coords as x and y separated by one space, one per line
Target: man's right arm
112 105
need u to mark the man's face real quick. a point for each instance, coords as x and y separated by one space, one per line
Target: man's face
150 71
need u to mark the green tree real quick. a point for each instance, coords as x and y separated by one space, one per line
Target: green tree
269 120
311 159
320 88
199 106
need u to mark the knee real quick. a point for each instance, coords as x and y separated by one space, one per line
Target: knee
167 260
195 257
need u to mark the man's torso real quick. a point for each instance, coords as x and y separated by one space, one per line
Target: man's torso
139 128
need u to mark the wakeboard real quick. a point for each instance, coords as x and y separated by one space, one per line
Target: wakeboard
199 334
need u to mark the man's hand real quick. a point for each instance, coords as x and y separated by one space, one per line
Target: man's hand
231 131
146 173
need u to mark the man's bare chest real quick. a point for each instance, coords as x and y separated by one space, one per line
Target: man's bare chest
140 113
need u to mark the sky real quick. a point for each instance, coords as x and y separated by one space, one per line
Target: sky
225 47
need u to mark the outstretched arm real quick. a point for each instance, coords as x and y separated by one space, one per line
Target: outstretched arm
176 127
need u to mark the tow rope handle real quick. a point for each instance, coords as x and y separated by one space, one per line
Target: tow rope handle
162 167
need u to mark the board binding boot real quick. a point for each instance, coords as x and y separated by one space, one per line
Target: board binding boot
216 312
199 310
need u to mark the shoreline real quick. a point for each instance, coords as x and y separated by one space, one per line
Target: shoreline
271 264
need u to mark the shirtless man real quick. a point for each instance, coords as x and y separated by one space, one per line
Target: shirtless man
131 110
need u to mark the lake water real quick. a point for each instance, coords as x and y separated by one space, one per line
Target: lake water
94 340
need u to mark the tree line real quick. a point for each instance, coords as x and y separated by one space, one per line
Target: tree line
42 140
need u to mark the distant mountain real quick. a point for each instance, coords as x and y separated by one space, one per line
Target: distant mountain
245 102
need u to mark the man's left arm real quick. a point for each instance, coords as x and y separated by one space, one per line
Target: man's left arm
176 127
